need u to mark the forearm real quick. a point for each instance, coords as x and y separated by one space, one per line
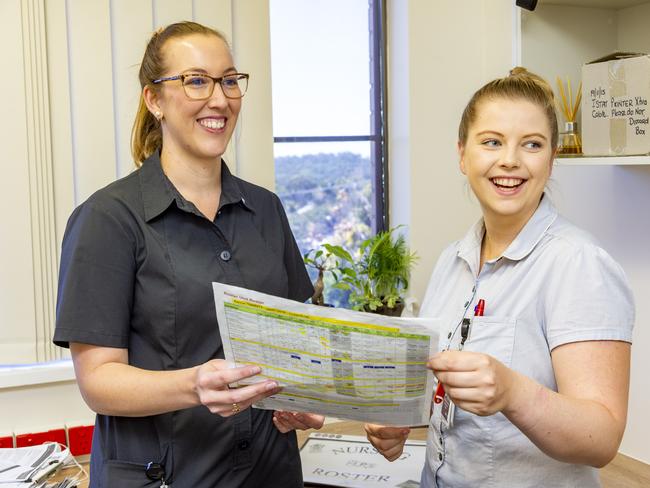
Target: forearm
120 389
571 430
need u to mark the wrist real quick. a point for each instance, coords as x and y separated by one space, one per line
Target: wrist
524 399
192 386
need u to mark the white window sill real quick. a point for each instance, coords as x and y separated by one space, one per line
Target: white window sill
18 375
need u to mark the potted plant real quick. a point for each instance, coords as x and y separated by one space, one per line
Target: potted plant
376 279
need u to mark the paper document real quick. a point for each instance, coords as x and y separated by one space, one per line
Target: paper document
29 466
331 361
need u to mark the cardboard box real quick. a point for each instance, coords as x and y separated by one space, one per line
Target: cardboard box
615 111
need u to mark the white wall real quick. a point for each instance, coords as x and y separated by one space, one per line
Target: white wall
611 202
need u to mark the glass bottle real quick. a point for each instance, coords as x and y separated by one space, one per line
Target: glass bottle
570 142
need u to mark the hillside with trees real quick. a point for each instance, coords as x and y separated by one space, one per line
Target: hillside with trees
328 198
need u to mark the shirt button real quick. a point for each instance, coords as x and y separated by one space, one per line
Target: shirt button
440 456
449 336
225 255
243 445
466 303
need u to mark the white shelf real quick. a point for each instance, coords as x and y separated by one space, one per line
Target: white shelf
609 4
603 160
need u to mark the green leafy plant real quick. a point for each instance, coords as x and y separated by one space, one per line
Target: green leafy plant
377 276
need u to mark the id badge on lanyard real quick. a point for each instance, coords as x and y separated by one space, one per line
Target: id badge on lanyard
441 397
448 408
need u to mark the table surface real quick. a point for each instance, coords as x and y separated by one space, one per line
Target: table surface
336 427
622 472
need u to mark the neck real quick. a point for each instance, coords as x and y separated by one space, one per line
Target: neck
199 181
500 231
194 176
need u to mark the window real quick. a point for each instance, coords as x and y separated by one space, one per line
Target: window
328 119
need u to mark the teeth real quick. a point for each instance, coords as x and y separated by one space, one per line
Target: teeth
213 123
507 182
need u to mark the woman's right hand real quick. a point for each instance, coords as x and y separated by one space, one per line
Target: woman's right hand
213 378
389 441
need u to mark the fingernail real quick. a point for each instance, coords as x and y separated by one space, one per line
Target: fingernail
255 370
271 386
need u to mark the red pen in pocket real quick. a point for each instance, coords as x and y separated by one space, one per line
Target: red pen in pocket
439 395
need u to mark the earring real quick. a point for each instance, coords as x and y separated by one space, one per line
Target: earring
158 115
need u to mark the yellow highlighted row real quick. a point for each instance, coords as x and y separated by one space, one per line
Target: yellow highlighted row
323 356
316 318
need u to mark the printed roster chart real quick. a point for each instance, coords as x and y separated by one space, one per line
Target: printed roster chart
335 362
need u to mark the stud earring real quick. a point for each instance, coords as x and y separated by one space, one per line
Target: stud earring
158 115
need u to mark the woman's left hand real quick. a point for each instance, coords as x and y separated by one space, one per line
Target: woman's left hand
475 382
288 421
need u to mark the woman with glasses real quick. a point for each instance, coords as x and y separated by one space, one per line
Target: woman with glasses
135 302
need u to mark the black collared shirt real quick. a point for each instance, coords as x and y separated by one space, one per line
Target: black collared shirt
137 265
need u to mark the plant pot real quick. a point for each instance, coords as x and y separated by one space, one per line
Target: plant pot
396 311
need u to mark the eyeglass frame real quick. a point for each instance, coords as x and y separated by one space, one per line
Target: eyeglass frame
215 80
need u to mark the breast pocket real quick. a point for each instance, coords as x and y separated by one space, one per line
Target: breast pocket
121 473
494 336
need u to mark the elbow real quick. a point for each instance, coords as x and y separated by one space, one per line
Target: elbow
605 457
96 395
91 401
609 451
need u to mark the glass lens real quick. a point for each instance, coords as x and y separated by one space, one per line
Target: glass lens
198 86
234 86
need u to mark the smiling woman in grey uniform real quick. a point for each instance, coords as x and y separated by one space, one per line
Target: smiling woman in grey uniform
135 302
542 313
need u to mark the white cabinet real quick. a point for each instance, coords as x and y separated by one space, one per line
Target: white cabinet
561 35
609 197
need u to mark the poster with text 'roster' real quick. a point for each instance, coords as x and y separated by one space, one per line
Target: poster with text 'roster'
351 461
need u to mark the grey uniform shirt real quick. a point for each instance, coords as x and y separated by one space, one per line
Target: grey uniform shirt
136 271
553 285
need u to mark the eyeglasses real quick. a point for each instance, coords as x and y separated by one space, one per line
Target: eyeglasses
200 87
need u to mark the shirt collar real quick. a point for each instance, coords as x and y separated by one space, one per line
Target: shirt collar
231 190
469 247
158 192
533 231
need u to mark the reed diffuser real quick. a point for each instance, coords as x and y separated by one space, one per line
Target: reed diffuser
570 142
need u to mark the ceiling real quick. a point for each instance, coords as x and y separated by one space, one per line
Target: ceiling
613 4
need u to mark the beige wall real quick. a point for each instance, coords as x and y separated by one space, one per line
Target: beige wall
77 103
434 67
